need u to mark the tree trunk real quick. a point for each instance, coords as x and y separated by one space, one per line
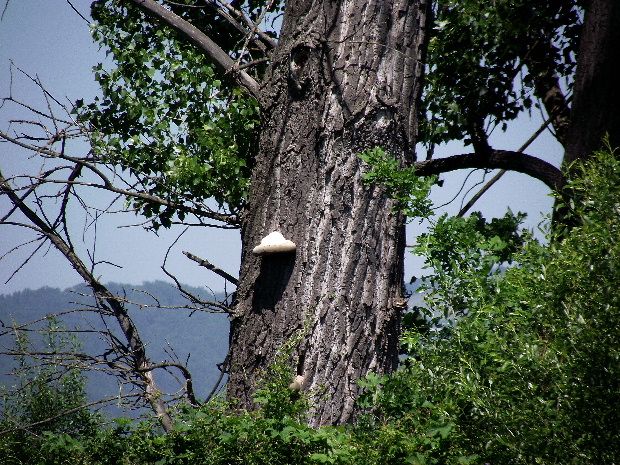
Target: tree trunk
596 96
345 77
596 100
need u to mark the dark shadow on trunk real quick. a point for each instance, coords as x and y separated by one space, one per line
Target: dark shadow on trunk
275 272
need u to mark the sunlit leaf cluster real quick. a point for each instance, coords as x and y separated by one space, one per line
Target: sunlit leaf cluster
166 116
401 183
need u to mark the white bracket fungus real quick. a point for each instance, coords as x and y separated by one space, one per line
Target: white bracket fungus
274 243
297 384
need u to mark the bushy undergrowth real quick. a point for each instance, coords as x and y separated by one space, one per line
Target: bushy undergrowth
526 372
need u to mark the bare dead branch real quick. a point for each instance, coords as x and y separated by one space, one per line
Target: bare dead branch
501 173
223 367
463 184
261 40
6 5
109 186
189 385
502 159
242 17
209 266
77 12
105 298
217 306
107 400
254 28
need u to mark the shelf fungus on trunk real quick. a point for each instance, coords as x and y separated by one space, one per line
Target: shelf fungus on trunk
274 242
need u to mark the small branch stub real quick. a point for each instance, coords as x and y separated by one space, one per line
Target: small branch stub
274 243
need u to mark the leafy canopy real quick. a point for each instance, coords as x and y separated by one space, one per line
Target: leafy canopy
484 58
188 134
165 116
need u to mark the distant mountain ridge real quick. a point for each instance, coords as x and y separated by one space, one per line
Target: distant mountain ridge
199 337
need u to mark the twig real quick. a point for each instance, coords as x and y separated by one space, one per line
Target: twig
210 266
501 173
65 412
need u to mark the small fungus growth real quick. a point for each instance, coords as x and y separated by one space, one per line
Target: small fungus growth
297 384
274 243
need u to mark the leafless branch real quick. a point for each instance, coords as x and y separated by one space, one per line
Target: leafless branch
109 186
209 266
501 173
242 17
104 297
223 367
66 412
213 305
6 5
77 12
189 386
502 159
463 184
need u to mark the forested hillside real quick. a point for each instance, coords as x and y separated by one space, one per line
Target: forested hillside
162 320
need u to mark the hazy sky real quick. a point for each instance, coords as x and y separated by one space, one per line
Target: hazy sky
48 39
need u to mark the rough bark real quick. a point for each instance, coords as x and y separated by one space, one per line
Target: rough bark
596 96
547 86
345 77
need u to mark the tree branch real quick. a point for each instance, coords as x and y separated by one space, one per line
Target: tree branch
106 298
107 184
501 173
266 38
202 41
547 88
189 383
226 10
66 412
210 266
497 159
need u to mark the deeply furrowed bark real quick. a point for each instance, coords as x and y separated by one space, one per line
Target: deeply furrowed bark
345 77
596 95
596 98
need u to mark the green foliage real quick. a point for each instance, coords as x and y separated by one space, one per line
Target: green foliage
165 116
45 409
467 255
402 185
276 433
484 57
530 375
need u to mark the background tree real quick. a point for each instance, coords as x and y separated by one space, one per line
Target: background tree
336 81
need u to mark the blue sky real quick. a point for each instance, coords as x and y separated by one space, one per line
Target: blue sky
48 39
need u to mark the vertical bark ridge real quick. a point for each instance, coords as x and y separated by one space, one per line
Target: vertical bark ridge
596 95
344 80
